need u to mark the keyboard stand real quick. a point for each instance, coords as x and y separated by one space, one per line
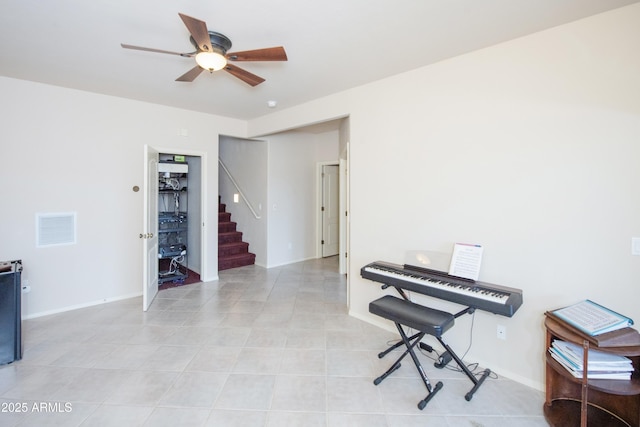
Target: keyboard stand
449 354
477 382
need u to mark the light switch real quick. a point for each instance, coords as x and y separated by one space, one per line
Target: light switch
635 246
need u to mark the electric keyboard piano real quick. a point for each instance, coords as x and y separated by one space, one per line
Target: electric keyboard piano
479 295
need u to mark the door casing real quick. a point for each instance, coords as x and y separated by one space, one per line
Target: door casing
147 194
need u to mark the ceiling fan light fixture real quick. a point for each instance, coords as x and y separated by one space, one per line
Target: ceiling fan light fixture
211 53
212 61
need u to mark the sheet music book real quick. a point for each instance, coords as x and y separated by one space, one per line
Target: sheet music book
592 375
466 260
591 318
601 365
598 360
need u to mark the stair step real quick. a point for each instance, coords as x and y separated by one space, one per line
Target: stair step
232 251
228 249
226 227
234 261
229 237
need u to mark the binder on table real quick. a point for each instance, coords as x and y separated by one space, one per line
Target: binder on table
592 318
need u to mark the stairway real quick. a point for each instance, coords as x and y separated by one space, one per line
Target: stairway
232 251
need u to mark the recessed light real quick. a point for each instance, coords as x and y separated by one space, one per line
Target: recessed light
272 104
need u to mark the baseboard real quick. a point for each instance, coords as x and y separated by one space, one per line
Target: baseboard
213 278
291 262
84 305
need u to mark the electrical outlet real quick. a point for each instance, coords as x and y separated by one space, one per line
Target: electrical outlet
501 332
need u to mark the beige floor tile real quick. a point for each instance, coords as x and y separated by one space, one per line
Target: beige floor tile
300 394
246 391
173 417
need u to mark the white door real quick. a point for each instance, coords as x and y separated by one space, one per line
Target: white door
344 217
149 233
330 211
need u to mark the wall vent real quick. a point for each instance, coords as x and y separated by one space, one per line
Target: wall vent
55 229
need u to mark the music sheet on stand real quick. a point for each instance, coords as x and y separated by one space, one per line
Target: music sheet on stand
466 260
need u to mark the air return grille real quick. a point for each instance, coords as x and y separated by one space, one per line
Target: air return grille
54 229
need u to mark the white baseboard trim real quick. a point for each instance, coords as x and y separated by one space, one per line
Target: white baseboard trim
84 305
291 262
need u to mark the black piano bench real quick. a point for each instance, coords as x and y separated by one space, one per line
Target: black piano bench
423 319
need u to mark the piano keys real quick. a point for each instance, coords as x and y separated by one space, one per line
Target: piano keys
495 299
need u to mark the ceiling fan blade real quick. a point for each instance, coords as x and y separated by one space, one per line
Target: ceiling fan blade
199 32
190 75
268 54
244 75
148 49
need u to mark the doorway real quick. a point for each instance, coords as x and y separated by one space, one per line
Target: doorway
330 210
195 209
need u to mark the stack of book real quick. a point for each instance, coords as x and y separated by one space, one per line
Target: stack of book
600 365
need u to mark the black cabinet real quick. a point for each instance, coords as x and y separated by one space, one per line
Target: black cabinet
10 312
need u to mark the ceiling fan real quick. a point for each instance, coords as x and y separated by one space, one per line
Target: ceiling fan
211 53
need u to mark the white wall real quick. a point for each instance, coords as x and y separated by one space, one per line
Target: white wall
292 203
72 151
529 148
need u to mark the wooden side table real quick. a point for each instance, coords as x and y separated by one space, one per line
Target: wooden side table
583 402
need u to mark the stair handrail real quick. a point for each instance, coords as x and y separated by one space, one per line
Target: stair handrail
233 181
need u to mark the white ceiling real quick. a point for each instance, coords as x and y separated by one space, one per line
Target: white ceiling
332 45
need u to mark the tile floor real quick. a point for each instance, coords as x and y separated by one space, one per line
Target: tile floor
257 348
